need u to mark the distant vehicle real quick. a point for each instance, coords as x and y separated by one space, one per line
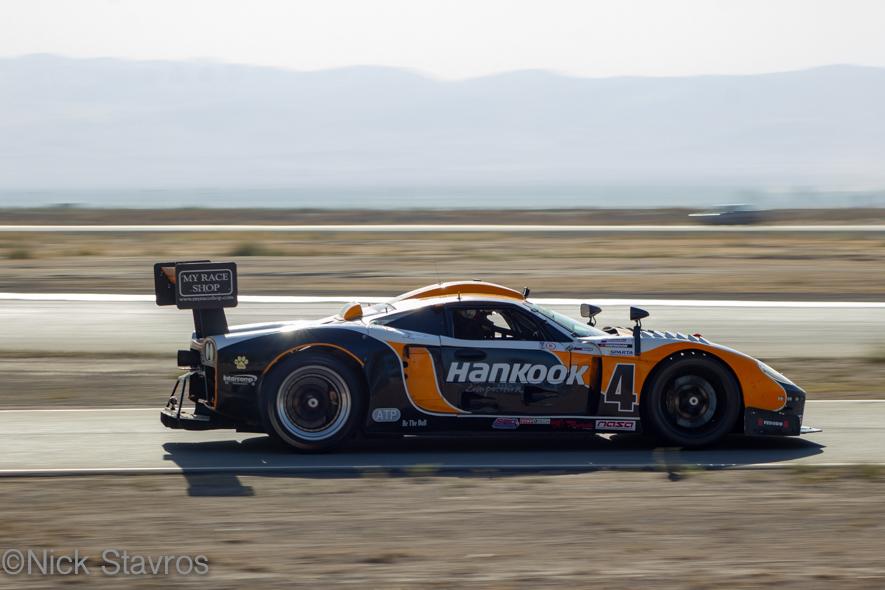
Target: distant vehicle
458 358
737 214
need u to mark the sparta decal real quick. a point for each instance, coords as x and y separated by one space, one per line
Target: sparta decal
516 373
622 347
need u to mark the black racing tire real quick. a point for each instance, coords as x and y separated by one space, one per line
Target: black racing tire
692 400
312 401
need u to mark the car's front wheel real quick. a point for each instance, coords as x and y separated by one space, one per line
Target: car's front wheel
312 401
692 401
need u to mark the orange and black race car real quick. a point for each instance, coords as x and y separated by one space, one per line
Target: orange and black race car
459 357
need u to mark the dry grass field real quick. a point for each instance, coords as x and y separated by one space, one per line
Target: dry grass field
764 265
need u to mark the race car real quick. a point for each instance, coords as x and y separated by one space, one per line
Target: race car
461 357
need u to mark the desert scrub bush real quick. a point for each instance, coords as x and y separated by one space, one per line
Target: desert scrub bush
20 254
252 249
877 356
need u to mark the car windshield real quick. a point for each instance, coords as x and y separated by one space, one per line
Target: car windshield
574 327
376 308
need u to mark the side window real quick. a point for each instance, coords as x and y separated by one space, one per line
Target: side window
430 320
486 323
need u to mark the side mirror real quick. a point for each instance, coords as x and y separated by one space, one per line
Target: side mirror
589 310
637 314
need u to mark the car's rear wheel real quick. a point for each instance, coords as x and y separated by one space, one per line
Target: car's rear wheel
693 400
312 401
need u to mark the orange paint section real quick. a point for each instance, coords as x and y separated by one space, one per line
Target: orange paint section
461 288
217 389
279 357
758 390
421 383
581 359
564 357
351 311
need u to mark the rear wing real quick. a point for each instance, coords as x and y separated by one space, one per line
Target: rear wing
199 285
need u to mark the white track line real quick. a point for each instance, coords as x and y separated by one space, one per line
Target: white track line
448 228
842 401
438 469
317 299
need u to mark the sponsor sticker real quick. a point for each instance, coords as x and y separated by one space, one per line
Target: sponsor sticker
240 379
505 424
516 373
386 414
193 283
618 425
775 423
571 424
616 347
513 422
535 421
411 423
206 285
241 362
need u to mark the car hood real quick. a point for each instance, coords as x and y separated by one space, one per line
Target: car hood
622 343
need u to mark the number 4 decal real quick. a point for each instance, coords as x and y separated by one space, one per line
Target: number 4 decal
620 388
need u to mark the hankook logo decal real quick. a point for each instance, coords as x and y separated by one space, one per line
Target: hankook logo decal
516 373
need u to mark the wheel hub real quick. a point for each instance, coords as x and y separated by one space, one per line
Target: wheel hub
313 404
690 402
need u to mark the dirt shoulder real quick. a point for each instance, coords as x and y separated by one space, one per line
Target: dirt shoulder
784 529
86 381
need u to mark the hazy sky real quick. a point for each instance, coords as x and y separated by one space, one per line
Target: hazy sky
461 38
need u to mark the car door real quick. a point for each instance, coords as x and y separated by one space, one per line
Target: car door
499 359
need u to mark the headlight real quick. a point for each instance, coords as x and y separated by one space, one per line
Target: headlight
209 352
772 374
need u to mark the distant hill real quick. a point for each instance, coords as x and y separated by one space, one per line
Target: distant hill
93 123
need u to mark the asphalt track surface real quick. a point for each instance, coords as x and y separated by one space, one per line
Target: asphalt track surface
83 442
140 327
447 228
